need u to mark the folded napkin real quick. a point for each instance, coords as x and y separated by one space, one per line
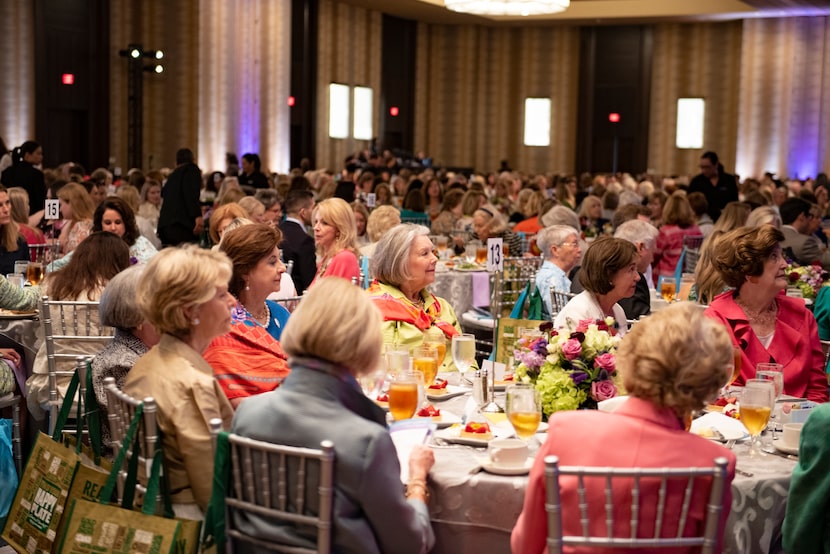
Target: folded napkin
481 289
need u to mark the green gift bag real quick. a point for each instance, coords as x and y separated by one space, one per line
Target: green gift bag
56 473
97 527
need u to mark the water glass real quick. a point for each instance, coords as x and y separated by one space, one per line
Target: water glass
463 351
16 279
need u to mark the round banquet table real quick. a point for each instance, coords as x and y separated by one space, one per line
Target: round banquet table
473 511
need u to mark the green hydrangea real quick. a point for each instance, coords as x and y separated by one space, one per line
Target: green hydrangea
558 391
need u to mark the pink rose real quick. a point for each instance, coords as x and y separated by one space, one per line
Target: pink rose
603 390
606 361
583 325
572 349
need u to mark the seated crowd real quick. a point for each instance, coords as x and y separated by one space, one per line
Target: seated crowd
203 332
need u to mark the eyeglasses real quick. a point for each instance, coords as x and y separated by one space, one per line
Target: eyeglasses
574 243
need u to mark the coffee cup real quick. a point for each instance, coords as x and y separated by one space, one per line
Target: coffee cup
791 434
507 452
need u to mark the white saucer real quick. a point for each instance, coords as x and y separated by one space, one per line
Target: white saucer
489 467
779 445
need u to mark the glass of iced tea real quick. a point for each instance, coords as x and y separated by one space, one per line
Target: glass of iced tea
34 272
434 338
756 404
668 289
403 394
425 360
481 253
524 410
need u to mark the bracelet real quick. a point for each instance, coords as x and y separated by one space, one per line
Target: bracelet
417 483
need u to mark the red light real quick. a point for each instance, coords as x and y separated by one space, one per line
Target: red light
68 78
394 111
291 101
614 117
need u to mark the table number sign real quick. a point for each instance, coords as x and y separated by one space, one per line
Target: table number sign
495 255
52 209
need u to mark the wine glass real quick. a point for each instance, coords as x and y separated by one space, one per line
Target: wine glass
470 253
463 351
372 382
756 403
524 410
404 390
397 360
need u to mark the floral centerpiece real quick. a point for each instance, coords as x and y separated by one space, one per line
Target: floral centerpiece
808 278
571 369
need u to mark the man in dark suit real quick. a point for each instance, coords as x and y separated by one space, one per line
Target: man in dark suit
799 224
719 187
297 245
180 220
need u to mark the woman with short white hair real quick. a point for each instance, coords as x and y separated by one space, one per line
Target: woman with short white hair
559 245
403 266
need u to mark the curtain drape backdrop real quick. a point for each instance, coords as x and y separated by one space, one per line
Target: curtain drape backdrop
700 60
784 108
471 86
349 53
17 66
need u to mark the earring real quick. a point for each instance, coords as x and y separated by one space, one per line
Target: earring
247 287
196 321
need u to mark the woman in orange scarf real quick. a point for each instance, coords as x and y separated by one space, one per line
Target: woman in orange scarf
403 266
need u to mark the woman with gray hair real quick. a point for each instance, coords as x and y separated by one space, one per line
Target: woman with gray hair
134 335
560 247
489 224
403 266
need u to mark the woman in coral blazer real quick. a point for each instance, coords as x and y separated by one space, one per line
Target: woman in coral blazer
671 363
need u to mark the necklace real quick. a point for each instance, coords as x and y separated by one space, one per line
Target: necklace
765 317
419 303
263 317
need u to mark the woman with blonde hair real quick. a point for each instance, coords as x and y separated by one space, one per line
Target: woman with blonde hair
672 364
323 387
13 246
20 215
708 280
254 208
381 220
184 294
489 224
678 223
764 215
77 209
335 234
150 207
361 216
590 217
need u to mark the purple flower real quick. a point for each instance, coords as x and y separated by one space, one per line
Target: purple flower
606 361
541 347
578 376
603 390
572 349
133 260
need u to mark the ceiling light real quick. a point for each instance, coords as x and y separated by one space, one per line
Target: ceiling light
508 7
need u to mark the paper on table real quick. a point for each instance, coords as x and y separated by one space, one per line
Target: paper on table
405 436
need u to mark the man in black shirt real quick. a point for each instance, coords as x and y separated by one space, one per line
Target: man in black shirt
717 186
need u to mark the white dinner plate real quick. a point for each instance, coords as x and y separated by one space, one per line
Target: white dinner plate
453 434
452 392
490 467
469 269
729 428
779 445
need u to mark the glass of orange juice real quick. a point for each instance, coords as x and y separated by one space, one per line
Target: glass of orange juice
403 394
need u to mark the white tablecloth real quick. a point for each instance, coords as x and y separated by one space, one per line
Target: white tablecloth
475 512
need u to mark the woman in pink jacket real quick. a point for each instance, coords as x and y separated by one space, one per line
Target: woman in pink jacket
671 363
766 325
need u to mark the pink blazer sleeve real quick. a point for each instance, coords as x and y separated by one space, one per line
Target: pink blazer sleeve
343 264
